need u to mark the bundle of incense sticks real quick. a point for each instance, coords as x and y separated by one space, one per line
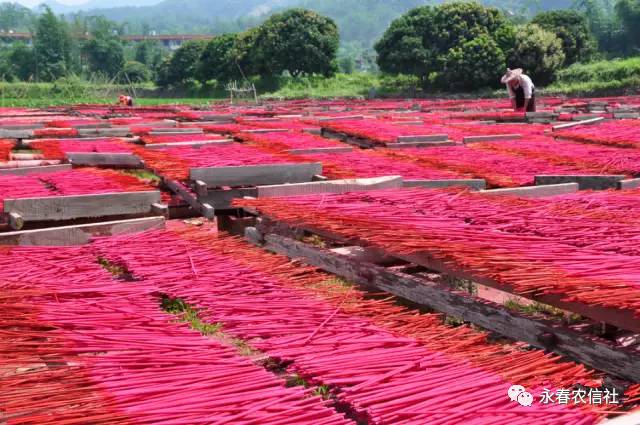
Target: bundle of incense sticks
406 222
402 380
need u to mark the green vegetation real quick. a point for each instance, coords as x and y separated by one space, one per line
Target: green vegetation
542 310
538 52
571 27
598 77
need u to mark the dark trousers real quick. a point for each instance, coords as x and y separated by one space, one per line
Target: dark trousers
520 99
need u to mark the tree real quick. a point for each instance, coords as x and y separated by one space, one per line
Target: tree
421 41
473 65
573 30
538 52
182 66
104 51
218 59
135 72
22 60
628 12
52 47
298 41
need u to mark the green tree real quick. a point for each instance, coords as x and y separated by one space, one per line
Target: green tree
475 64
52 47
628 12
218 59
182 66
538 52
103 51
299 41
421 41
22 61
104 56
135 72
573 30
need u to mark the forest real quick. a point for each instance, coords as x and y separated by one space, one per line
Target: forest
422 48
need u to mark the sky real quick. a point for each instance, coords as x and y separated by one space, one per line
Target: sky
32 3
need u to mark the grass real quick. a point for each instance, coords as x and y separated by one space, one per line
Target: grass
189 314
607 76
142 174
542 310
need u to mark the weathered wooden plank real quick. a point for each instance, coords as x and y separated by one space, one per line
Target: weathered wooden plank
265 130
25 156
175 131
330 186
205 209
423 138
82 206
623 319
547 335
30 126
35 170
629 184
477 184
535 191
343 118
195 143
405 145
626 115
95 159
29 163
255 175
120 131
490 138
577 123
585 182
79 234
320 150
16 134
316 131
222 198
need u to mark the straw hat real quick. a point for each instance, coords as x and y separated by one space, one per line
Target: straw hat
511 75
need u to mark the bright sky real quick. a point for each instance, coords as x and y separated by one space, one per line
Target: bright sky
32 3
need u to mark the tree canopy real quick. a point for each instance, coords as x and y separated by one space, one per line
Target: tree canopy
52 47
571 27
298 41
428 41
538 52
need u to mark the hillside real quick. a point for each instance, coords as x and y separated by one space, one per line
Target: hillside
361 22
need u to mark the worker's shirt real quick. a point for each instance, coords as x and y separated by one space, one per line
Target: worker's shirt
527 87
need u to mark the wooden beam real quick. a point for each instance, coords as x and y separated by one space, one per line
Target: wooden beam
95 159
477 184
330 186
343 118
266 130
35 170
308 151
204 209
622 318
405 145
629 184
423 138
543 334
577 123
222 198
535 191
82 206
490 138
585 182
175 131
195 143
255 175
79 234
29 164
121 131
